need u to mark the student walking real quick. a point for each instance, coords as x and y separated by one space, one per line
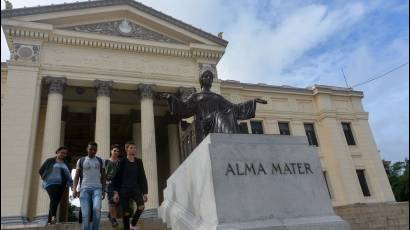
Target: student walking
111 166
90 174
56 176
130 184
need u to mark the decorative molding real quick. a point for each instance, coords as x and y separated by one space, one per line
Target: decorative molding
96 43
56 84
208 67
122 28
146 90
103 88
25 52
92 4
184 92
136 116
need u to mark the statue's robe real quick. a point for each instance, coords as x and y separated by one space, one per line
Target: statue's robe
213 113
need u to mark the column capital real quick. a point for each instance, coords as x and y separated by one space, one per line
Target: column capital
104 88
135 116
146 90
56 84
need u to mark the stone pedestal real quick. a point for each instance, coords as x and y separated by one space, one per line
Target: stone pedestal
240 181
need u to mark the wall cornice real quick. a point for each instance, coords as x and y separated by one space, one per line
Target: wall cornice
110 42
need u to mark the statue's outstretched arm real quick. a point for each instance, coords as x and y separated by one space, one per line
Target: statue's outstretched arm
177 107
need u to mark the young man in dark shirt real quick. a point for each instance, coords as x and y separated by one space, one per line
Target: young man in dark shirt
130 183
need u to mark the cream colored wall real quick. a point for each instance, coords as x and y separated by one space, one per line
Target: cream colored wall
18 125
84 63
3 83
326 110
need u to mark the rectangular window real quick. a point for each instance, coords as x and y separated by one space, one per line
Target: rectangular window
363 183
310 134
243 127
327 185
284 128
348 133
256 127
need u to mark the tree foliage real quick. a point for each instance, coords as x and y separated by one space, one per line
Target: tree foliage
398 174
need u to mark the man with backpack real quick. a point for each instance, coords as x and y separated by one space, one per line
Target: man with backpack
90 173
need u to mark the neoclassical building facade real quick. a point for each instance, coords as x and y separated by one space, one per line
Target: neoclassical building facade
92 70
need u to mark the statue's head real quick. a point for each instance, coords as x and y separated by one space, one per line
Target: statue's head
206 79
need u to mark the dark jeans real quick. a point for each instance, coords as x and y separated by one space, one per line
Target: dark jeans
125 198
55 192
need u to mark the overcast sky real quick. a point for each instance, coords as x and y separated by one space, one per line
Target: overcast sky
306 42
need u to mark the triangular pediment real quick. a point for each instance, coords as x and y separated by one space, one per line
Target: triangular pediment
122 28
104 17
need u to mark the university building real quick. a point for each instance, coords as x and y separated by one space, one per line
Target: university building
92 70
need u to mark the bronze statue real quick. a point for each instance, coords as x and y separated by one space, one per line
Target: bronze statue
213 113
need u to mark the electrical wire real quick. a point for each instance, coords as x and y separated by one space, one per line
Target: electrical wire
382 75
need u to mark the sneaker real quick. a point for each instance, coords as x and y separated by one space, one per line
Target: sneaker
114 222
53 221
133 227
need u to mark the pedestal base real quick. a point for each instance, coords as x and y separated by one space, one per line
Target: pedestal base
239 181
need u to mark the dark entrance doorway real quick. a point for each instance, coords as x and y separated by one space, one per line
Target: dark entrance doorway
121 130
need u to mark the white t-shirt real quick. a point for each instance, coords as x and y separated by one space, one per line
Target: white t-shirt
91 172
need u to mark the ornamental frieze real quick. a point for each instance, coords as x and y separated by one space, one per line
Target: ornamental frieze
122 28
25 52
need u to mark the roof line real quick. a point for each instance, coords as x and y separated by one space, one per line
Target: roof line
102 3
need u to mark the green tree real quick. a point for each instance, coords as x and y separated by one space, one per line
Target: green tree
398 174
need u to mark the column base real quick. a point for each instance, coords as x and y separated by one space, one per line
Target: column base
40 219
13 220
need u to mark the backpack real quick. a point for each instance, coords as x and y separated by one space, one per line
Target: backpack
82 159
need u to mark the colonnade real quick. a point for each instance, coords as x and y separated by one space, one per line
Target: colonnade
146 143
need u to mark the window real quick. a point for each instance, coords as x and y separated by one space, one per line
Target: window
243 127
310 134
256 127
348 133
327 185
363 183
284 128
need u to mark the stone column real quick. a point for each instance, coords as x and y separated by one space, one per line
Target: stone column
51 138
62 213
102 124
149 152
173 144
136 131
19 119
102 119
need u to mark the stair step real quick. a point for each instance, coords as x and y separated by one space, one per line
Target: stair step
143 224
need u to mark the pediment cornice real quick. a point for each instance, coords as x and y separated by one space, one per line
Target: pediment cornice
88 5
122 28
45 33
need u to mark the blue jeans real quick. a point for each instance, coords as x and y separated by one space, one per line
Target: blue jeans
90 196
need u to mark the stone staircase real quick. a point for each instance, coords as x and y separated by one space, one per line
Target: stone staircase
376 216
143 224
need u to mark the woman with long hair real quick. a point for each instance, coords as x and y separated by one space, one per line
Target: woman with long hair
56 176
